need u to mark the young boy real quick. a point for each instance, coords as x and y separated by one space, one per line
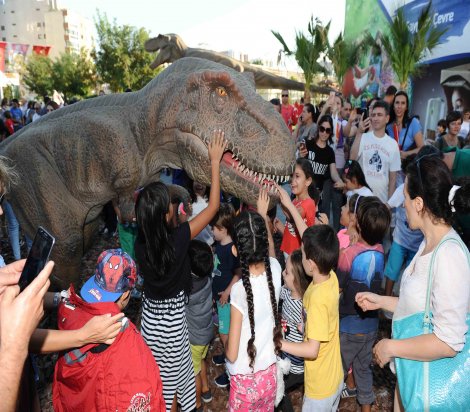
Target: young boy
97 377
199 316
360 269
320 348
226 273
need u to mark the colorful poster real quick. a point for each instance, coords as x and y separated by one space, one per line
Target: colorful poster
3 47
43 50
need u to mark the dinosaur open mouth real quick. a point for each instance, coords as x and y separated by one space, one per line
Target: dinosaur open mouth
260 179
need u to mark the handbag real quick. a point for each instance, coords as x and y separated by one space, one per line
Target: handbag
439 385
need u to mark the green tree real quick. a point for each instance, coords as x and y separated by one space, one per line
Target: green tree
74 74
309 49
407 48
38 75
121 59
343 55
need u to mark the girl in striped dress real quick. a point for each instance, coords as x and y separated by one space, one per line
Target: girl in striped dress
162 256
291 308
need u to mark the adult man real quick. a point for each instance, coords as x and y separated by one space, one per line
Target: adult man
16 115
377 153
465 128
287 110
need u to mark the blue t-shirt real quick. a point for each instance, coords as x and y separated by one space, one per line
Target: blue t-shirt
224 265
403 235
406 139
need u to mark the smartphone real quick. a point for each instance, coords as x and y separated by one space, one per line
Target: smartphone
332 96
38 257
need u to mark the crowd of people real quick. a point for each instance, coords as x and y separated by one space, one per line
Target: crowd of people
294 300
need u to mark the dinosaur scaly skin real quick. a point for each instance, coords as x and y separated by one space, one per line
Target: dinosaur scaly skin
73 161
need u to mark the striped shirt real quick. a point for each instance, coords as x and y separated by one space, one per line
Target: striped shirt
293 324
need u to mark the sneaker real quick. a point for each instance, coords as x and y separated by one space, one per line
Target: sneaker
348 393
206 396
218 359
222 381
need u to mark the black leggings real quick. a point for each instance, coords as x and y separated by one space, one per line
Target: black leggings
291 381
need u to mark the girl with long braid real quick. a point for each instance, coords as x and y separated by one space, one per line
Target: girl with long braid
255 332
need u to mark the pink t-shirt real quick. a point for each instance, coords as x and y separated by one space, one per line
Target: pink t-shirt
343 238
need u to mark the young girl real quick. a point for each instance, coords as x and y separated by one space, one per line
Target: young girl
354 180
305 193
295 285
255 332
162 256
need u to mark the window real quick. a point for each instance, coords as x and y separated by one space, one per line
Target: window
4 39
3 27
44 35
13 24
12 11
39 24
39 36
15 35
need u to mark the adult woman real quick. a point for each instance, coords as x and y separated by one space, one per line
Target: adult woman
429 207
308 128
451 139
322 157
162 256
407 131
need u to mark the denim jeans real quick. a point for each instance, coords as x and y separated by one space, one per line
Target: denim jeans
13 229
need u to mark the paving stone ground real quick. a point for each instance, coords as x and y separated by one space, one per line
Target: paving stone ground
384 380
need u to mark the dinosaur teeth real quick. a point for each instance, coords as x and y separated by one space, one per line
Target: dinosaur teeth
233 155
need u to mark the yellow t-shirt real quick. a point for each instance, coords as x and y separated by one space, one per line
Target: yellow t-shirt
324 374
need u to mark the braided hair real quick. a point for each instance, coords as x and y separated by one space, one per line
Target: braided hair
251 240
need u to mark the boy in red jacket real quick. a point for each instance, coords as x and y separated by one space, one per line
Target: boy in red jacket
122 376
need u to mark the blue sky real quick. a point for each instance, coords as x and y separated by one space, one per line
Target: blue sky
240 25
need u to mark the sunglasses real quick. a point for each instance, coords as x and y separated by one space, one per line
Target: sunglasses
324 129
285 95
417 163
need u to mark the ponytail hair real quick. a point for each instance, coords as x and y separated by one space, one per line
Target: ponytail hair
352 169
307 168
251 240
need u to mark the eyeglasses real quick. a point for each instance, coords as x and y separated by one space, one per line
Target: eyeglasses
418 166
324 129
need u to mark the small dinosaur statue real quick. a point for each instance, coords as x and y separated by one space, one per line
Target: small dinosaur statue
74 160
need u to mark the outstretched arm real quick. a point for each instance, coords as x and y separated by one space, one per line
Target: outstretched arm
287 203
217 147
262 206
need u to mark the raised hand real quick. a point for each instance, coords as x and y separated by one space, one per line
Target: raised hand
262 203
283 196
217 146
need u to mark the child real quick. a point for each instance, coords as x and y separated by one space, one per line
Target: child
161 252
295 284
255 331
226 273
121 376
199 193
405 240
355 180
305 192
360 268
199 316
320 349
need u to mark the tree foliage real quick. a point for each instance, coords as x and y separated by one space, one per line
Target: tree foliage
120 58
38 75
407 48
74 74
309 49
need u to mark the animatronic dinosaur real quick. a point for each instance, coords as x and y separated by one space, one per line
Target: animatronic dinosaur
74 160
171 47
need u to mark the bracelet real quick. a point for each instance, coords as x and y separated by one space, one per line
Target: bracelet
56 299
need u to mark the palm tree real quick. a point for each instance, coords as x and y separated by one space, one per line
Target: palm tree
308 51
405 48
344 54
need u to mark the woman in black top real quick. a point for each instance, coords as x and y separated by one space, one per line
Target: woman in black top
162 256
322 156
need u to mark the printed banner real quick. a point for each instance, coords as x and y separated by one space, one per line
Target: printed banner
43 50
3 47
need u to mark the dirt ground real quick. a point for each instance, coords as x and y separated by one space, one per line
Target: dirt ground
384 380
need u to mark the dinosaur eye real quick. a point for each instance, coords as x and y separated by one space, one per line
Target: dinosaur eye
221 91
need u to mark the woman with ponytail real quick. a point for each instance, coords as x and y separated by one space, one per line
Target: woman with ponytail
434 287
255 332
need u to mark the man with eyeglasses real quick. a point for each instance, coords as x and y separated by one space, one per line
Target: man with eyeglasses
287 110
377 153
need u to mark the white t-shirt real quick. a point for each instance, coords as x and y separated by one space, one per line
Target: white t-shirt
378 156
206 234
264 321
450 293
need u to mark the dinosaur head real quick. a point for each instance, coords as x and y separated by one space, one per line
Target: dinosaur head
170 47
261 150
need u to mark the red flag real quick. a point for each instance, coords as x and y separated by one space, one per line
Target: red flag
43 50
